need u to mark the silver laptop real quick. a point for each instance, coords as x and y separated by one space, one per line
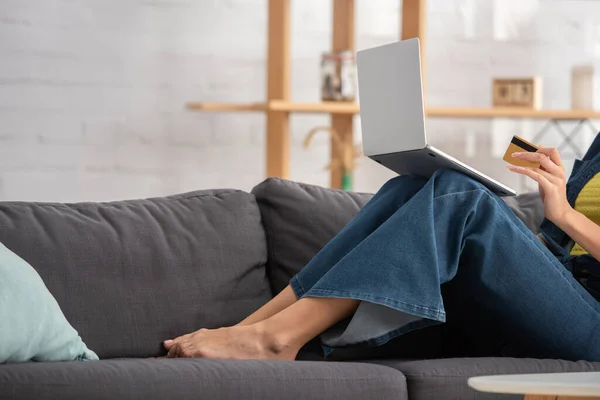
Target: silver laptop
393 118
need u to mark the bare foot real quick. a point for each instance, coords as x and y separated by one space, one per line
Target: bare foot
236 342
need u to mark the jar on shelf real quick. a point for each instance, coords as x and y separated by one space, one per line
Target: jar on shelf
585 87
338 76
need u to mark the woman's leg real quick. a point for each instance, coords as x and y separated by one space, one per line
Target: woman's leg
391 196
278 303
396 272
456 229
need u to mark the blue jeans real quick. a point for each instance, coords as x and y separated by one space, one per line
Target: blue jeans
415 235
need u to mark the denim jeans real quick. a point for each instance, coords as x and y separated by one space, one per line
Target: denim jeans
415 235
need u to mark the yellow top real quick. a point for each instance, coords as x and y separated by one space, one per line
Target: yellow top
587 203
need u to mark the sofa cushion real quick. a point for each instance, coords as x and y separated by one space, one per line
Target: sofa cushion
131 274
299 220
529 208
447 378
200 379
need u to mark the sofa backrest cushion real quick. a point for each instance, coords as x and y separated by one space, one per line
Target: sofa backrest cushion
300 219
131 274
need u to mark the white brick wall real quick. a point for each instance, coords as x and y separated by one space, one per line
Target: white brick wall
92 91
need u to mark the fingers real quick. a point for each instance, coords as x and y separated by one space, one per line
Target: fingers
542 159
553 153
547 175
534 173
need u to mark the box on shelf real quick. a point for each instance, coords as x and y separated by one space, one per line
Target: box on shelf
518 92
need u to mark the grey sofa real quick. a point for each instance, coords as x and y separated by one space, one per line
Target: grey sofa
130 274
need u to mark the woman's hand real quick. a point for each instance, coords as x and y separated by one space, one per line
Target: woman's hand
551 179
553 187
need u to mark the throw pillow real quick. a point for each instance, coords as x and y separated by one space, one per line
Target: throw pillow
32 326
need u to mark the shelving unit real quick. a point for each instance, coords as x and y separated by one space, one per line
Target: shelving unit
278 105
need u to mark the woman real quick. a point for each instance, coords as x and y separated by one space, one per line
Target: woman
380 277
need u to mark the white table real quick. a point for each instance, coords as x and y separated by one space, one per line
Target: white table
581 385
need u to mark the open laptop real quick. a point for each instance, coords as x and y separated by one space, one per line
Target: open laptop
393 118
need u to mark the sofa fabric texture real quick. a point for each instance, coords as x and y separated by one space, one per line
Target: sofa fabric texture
131 274
181 378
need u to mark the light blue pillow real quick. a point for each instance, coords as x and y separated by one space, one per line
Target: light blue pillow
32 326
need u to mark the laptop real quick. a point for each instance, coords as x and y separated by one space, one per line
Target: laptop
393 116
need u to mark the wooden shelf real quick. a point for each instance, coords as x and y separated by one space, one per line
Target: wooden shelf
352 108
331 107
509 112
197 106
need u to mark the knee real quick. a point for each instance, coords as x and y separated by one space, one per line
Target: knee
451 181
450 175
403 182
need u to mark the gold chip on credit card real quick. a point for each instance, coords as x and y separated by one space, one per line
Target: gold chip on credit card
517 145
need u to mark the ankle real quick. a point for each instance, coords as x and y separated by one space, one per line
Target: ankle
277 341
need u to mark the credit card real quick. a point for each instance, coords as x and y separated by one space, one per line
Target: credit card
517 145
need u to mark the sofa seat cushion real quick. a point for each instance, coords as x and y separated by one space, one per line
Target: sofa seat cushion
149 379
130 274
447 378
